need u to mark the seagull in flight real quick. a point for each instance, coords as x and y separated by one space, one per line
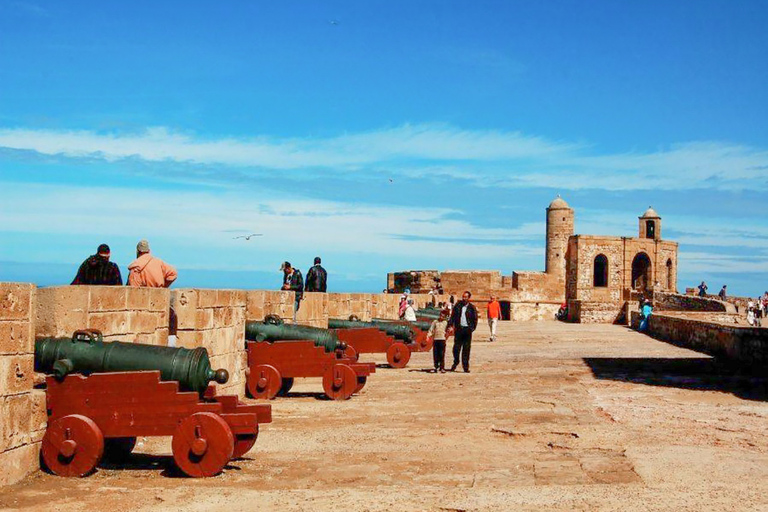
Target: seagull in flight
333 22
247 237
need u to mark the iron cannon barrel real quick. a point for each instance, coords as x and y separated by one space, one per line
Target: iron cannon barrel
419 324
432 313
86 352
277 333
399 331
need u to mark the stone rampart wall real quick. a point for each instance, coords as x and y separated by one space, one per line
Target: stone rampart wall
677 302
745 345
22 409
586 312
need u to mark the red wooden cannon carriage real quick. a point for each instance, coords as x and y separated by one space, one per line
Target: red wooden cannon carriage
370 340
272 368
105 412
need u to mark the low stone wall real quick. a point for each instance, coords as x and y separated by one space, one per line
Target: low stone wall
745 345
677 302
585 312
122 313
530 311
708 316
22 409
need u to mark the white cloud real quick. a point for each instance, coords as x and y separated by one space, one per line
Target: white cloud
493 158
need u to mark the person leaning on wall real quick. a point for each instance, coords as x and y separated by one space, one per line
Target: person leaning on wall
97 269
147 270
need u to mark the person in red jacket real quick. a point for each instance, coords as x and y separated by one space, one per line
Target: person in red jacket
494 314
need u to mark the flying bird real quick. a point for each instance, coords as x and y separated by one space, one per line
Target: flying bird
333 22
247 237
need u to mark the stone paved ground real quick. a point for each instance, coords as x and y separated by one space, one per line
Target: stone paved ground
553 417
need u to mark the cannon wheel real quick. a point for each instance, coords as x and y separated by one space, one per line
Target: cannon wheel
361 380
118 449
244 443
202 444
340 382
286 386
73 446
264 382
398 355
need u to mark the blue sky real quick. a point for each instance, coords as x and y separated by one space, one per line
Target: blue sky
379 135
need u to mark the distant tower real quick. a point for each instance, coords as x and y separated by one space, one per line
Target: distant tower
650 225
559 230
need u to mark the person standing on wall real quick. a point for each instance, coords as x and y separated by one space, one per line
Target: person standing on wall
293 281
146 270
722 293
97 269
317 278
494 314
463 322
703 289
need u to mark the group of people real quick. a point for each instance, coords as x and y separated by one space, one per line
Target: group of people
458 320
146 270
722 294
757 310
317 281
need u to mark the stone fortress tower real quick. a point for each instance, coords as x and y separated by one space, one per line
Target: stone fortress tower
560 220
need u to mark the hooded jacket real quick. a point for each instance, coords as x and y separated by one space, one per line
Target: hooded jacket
146 270
97 269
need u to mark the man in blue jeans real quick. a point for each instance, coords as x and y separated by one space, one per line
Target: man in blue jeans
463 322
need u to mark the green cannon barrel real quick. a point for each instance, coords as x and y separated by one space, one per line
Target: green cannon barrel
423 325
402 332
86 352
276 333
432 313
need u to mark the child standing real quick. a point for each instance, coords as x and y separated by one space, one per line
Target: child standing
438 333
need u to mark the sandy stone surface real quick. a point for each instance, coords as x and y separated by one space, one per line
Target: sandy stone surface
553 417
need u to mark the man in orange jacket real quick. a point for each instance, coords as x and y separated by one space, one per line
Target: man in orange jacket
146 270
494 313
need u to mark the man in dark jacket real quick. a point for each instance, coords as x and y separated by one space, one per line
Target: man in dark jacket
317 278
463 321
97 269
293 281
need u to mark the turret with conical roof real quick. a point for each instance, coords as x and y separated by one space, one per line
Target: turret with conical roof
559 230
650 224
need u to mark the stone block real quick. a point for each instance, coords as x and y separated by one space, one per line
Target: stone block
16 301
204 319
144 322
107 298
16 374
159 299
206 298
61 310
18 463
238 298
138 298
222 317
190 339
224 298
110 323
16 337
185 306
254 304
15 421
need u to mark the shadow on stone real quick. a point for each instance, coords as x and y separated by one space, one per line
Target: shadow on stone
705 374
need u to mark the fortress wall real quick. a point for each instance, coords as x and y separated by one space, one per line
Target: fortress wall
747 346
677 302
22 409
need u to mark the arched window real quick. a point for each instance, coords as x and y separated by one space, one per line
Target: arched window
670 275
650 229
600 275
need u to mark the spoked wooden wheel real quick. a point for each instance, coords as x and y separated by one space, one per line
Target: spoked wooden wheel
398 355
73 446
118 449
202 444
244 443
264 382
340 382
361 380
286 386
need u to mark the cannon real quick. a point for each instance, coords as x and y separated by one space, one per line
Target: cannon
274 332
419 324
402 331
272 368
86 352
428 313
95 412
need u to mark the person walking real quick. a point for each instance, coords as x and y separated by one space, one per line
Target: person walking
410 312
97 269
438 333
464 322
317 278
146 270
722 293
645 315
293 281
703 289
494 314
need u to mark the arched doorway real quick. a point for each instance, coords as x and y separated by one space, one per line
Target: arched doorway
641 272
